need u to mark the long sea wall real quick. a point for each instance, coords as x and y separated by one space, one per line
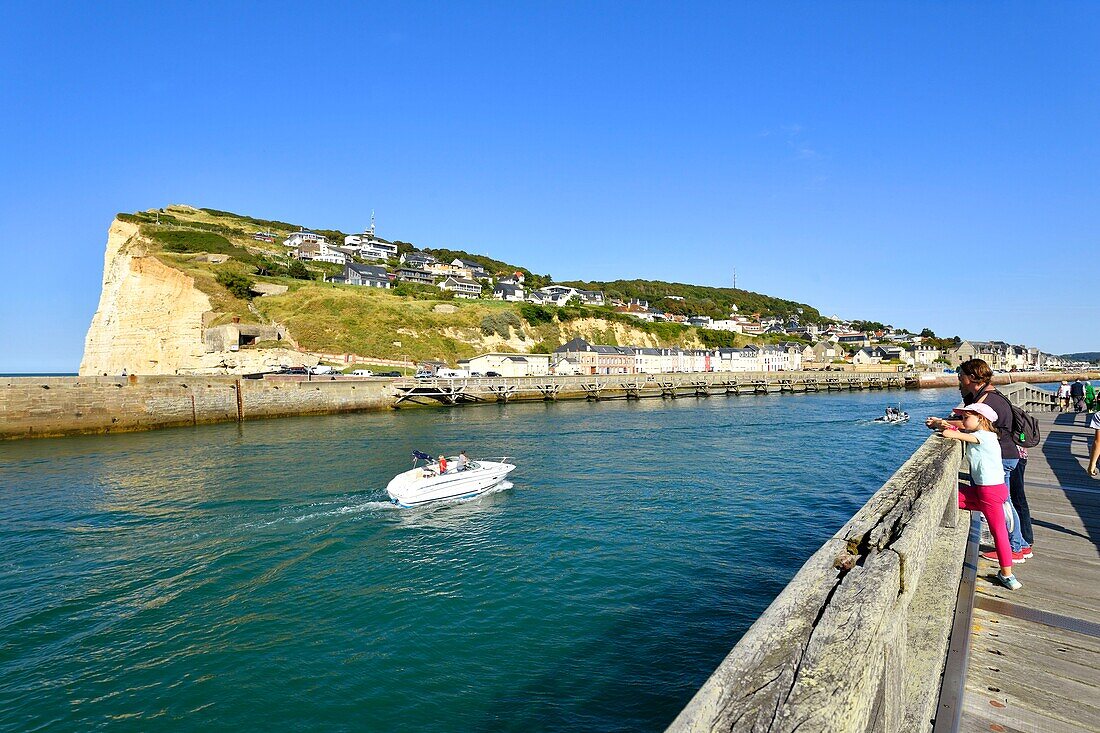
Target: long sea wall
55 406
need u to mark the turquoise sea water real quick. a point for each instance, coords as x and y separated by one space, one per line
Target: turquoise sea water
254 576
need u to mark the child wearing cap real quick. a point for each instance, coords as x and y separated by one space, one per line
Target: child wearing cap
987 491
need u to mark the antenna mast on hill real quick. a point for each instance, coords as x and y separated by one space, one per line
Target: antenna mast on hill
372 222
735 278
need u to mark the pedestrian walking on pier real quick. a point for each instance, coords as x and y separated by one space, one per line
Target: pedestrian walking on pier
1077 394
987 492
1063 396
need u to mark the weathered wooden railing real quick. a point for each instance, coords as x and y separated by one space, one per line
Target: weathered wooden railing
1029 397
857 640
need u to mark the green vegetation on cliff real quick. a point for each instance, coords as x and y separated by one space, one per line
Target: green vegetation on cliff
701 300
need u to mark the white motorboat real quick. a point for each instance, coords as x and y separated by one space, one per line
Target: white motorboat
424 483
893 415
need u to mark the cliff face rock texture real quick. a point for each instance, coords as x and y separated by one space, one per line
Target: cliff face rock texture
150 316
151 320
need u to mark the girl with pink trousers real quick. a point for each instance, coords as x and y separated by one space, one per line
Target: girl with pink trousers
987 491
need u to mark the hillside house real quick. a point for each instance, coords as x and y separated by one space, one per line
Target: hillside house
511 293
446 269
726 324
371 248
854 338
371 276
297 239
416 275
562 294
462 287
477 272
322 252
417 259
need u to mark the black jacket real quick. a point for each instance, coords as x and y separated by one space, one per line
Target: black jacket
1000 405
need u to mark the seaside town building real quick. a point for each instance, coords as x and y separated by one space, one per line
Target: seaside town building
299 238
370 247
509 365
322 252
597 358
446 269
417 259
510 292
416 275
371 276
477 272
462 287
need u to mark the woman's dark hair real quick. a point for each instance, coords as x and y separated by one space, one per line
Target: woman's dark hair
977 370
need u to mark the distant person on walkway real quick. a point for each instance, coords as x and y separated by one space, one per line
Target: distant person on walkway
1094 452
1063 395
1077 393
976 386
987 491
1090 397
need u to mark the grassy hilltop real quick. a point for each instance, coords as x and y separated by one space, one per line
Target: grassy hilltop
414 321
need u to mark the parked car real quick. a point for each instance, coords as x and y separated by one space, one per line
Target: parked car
362 373
452 373
475 374
425 374
492 374
320 369
293 370
388 374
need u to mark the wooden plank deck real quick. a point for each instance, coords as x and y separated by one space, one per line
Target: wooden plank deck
1035 653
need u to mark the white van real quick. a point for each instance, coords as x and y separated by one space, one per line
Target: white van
362 373
321 370
452 373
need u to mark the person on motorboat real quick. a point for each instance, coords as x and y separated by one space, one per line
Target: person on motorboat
442 464
462 462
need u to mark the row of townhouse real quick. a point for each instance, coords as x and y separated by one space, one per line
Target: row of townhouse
1002 356
581 357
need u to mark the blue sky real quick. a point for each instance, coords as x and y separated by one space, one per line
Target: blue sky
921 164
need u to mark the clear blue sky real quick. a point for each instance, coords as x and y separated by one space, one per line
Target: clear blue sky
921 164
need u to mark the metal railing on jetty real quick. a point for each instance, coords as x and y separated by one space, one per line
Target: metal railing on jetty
636 386
859 639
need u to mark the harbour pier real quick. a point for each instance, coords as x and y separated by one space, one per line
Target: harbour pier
465 390
894 624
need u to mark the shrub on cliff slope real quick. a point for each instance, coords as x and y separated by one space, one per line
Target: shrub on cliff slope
501 324
236 283
194 240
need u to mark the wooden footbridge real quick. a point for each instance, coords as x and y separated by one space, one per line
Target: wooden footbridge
895 624
464 390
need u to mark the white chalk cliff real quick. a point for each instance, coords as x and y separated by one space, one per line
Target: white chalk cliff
151 319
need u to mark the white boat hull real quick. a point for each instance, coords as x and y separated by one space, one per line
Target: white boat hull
420 486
